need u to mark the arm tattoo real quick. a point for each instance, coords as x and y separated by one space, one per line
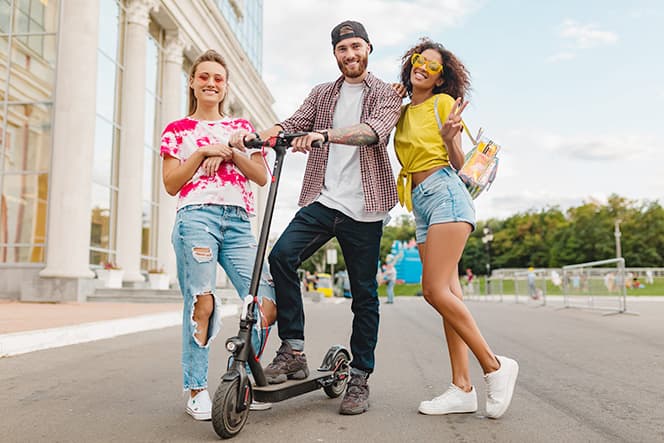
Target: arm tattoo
356 135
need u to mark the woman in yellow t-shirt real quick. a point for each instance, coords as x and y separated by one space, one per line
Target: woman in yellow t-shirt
444 213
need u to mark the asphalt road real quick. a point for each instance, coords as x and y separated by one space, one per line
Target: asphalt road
584 378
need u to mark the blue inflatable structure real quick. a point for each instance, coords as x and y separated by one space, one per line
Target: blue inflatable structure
407 262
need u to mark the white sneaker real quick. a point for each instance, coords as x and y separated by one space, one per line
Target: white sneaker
452 401
200 406
259 405
500 387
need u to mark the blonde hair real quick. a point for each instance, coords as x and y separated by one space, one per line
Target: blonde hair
208 56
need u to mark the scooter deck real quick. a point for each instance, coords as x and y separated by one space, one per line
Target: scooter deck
290 388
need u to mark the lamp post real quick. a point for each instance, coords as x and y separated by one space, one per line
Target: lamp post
487 239
617 234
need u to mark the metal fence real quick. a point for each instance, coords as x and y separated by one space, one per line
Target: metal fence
596 285
530 287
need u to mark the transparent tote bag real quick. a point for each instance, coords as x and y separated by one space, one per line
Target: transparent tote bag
481 165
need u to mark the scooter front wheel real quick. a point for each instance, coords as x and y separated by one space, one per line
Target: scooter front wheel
226 419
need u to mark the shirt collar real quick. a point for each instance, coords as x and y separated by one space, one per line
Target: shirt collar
368 81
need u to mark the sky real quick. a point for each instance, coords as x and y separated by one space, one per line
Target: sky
572 91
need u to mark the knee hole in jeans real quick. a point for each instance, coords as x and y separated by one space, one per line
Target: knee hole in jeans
201 254
202 312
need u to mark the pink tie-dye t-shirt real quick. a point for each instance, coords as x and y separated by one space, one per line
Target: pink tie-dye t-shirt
228 186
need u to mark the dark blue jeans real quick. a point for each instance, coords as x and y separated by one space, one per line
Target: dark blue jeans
311 228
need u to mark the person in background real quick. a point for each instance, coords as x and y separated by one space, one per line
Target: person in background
430 153
469 280
207 168
390 276
531 277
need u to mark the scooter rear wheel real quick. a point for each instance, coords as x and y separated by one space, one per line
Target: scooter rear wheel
226 420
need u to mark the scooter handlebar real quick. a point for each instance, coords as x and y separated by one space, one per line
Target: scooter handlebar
282 139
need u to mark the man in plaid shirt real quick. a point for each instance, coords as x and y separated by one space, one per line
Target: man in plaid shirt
347 191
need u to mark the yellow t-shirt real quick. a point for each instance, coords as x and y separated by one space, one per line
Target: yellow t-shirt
417 142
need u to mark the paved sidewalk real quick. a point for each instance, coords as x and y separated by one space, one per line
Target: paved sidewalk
27 327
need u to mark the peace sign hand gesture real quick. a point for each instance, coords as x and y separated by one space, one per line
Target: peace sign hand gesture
453 124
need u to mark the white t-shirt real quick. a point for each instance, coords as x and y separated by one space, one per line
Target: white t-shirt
229 186
342 189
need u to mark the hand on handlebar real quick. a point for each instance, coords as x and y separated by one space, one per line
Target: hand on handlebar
238 138
306 142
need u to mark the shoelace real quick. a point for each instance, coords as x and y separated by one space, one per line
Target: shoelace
355 388
282 356
444 394
491 389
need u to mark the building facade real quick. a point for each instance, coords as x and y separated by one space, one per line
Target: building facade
86 87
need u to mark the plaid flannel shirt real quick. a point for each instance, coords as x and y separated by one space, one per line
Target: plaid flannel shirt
381 107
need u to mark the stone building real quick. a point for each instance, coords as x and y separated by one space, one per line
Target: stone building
86 87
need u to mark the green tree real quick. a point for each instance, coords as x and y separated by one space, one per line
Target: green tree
318 261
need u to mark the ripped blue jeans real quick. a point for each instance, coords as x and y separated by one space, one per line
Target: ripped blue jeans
204 235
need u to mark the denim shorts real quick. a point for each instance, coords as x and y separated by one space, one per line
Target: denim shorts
441 198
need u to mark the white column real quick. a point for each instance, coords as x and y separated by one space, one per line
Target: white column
130 170
70 193
170 111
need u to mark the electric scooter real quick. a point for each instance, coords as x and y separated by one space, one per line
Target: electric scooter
230 406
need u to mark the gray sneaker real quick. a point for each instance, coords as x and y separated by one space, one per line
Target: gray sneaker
356 399
286 365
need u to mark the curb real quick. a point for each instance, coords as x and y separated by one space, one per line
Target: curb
29 341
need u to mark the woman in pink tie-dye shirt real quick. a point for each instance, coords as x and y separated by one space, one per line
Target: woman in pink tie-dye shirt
204 166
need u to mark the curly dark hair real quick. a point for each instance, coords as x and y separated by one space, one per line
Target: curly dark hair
455 75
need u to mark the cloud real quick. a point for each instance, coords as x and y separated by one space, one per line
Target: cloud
384 19
642 13
561 56
297 49
507 204
600 147
586 36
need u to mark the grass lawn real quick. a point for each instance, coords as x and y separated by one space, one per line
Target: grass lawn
404 289
657 288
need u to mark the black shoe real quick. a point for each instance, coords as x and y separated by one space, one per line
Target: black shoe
356 399
286 365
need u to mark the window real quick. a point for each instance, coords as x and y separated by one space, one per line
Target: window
151 145
246 21
107 133
28 35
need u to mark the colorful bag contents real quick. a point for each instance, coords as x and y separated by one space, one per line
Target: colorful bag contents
481 165
479 170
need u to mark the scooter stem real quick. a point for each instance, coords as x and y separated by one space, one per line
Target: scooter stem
267 219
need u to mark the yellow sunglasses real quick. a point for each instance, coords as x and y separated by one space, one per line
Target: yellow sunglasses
431 66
